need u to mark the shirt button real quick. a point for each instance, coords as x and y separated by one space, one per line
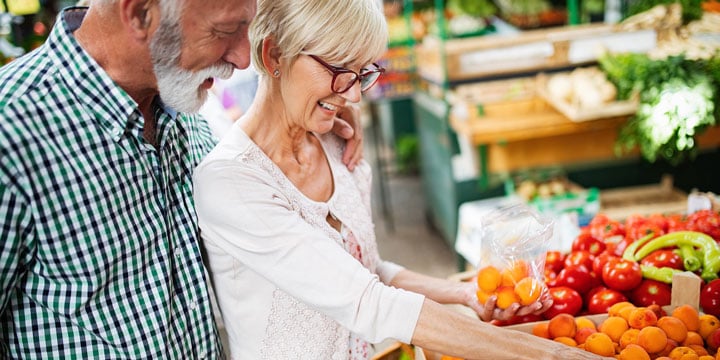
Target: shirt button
178 253
116 132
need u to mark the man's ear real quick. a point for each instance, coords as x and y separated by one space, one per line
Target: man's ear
139 16
270 54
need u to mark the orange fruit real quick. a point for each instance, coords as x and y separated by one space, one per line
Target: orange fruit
693 338
483 296
488 278
633 352
708 323
689 315
700 350
625 312
678 352
615 308
673 327
652 339
641 317
613 326
505 297
582 334
562 325
541 329
512 274
658 310
706 357
528 289
600 344
628 337
566 340
583 322
671 344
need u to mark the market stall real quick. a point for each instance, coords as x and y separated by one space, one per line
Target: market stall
496 106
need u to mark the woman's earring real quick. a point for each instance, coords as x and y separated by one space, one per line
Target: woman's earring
276 73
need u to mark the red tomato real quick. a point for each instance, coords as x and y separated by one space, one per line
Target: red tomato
676 222
554 260
565 300
651 292
663 258
705 221
599 263
710 298
622 274
602 227
600 301
549 276
578 278
616 244
640 231
585 241
524 319
580 257
592 292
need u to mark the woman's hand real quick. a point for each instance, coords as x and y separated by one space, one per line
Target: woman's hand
489 310
348 126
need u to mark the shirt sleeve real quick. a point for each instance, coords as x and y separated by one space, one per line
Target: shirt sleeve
243 214
14 231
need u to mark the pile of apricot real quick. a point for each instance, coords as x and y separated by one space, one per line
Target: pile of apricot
511 284
639 333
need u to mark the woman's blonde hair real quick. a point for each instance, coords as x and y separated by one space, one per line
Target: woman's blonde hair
339 31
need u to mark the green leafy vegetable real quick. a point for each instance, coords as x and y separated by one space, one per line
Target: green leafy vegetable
677 103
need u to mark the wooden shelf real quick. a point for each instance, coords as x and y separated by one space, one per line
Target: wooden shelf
530 133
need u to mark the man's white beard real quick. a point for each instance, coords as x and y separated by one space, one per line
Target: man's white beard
180 89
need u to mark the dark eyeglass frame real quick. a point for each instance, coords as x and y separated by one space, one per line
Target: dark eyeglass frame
336 71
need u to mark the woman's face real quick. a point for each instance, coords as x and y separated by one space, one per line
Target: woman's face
308 95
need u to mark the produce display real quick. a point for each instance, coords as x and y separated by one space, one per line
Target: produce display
624 269
637 333
582 87
612 261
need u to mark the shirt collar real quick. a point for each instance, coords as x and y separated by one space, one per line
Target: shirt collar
112 106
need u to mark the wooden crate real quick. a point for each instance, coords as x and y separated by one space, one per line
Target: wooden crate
528 51
575 113
530 133
662 198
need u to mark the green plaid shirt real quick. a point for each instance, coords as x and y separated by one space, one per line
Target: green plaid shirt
99 255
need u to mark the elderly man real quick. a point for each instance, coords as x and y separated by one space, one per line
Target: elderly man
99 254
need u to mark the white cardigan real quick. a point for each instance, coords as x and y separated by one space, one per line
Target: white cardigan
286 286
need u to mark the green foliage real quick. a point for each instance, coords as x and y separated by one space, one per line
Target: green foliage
677 102
479 8
692 9
407 154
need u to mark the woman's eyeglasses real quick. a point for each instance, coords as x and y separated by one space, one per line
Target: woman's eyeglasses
343 79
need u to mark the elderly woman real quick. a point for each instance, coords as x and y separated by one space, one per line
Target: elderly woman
288 229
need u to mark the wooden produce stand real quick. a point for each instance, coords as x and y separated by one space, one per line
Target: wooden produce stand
482 118
531 133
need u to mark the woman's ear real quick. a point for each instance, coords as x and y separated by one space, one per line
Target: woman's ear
139 16
270 55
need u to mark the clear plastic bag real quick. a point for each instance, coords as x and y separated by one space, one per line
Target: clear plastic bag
515 240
